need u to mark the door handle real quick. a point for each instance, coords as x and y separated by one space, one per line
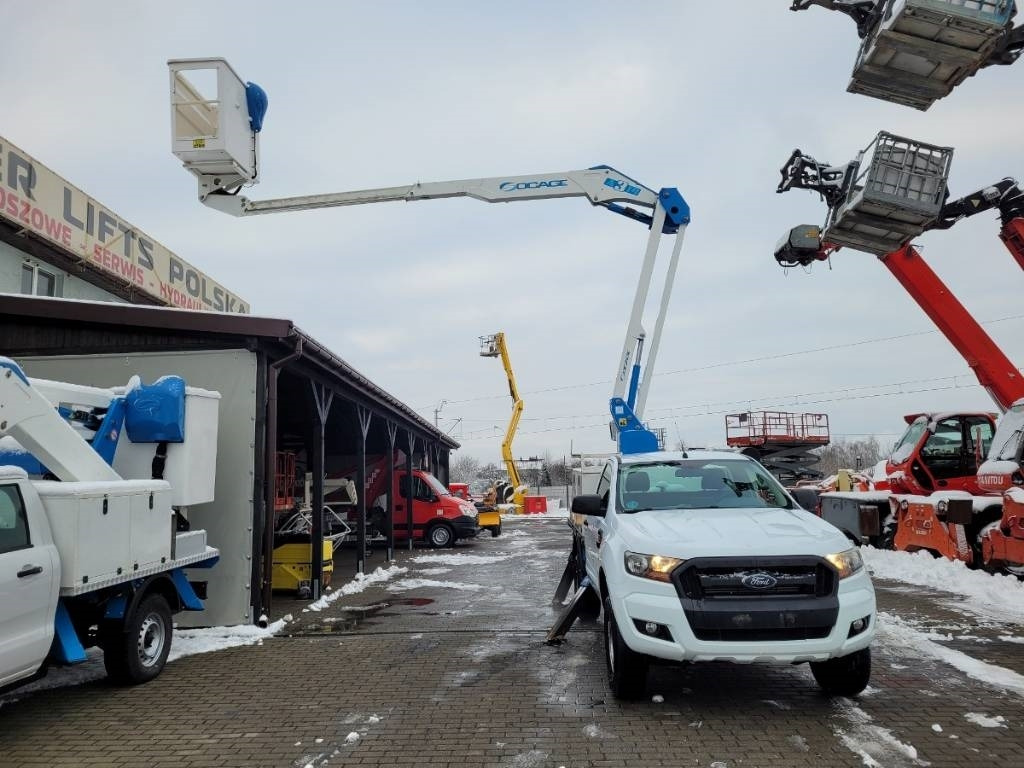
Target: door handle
29 570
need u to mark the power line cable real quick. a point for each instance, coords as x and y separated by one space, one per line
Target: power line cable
745 361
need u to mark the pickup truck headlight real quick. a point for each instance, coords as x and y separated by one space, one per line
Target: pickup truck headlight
847 563
656 567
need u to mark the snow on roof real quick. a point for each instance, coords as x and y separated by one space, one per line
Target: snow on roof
11 446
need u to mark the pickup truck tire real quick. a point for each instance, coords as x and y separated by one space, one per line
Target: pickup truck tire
135 650
845 676
627 669
495 531
440 535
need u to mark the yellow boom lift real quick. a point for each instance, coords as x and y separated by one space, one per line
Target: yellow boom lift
494 346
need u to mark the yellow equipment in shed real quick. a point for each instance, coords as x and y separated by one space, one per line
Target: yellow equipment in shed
292 572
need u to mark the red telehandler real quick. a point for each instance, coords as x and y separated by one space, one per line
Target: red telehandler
944 498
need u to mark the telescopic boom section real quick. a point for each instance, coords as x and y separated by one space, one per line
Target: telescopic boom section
34 422
995 372
602 185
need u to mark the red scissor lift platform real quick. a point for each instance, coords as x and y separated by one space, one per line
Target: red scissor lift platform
781 441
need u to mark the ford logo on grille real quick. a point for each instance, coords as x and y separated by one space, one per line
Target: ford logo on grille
760 581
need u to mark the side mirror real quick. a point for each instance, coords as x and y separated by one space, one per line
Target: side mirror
588 504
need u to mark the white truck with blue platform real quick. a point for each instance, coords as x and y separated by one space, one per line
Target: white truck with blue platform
95 486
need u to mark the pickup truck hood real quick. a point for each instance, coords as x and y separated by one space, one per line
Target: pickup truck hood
727 532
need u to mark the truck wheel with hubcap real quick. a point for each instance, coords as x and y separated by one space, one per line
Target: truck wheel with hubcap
135 651
627 669
441 535
845 676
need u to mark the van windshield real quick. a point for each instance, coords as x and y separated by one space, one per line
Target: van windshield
698 484
435 485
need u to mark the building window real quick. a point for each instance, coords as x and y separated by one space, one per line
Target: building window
39 282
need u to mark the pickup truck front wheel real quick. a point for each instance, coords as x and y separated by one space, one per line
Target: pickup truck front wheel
135 650
627 669
845 676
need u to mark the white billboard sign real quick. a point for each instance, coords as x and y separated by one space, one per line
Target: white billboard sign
34 198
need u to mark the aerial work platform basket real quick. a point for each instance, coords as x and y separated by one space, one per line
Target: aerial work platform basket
921 49
215 120
895 191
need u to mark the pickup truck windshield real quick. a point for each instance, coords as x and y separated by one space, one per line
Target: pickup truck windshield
697 484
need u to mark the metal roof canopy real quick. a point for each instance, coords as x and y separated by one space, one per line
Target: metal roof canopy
309 373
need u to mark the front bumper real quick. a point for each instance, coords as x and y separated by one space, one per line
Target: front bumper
465 527
659 603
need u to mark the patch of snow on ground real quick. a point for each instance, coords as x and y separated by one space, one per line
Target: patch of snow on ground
352 738
985 721
417 636
406 584
897 634
358 584
1009 639
776 704
593 731
657 698
998 591
876 746
799 742
434 571
936 727
532 759
187 642
461 559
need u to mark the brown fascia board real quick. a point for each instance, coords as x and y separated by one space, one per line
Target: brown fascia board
164 318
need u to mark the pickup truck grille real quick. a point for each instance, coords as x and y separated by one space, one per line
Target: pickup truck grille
714 581
758 599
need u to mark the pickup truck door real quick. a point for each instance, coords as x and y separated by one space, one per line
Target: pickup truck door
593 527
28 591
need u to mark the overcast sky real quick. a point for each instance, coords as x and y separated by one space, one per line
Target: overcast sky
693 95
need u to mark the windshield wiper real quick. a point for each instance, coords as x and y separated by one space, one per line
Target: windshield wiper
1011 439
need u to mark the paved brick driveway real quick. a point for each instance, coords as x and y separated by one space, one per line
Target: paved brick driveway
458 675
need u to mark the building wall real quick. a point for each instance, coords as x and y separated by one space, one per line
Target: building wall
69 286
228 519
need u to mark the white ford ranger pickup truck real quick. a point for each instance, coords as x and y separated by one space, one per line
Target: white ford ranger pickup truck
703 556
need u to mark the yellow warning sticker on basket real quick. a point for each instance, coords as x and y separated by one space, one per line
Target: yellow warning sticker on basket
198 143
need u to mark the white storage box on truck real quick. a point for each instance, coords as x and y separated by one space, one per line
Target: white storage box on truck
88 558
703 556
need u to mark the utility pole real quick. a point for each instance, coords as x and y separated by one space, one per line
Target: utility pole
438 410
